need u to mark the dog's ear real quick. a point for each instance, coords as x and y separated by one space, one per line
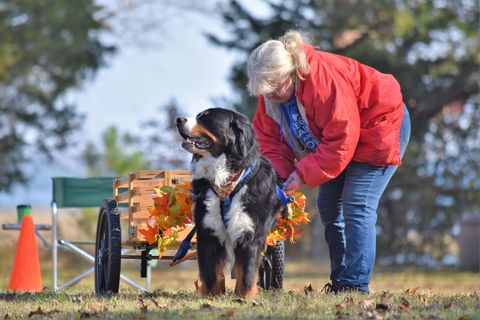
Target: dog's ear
242 134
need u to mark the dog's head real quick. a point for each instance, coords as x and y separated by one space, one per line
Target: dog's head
218 131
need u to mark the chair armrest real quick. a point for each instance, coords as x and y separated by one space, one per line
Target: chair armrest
16 226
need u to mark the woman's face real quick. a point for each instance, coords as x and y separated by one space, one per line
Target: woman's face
283 90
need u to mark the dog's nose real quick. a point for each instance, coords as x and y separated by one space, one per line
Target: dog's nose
181 121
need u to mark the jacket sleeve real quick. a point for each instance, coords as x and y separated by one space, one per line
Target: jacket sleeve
338 116
267 132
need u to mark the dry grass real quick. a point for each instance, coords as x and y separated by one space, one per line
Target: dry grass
398 294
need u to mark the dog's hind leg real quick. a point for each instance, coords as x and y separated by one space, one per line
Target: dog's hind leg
247 259
211 260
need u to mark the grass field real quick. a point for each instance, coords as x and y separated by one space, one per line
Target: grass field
398 294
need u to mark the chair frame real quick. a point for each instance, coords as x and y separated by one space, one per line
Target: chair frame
72 246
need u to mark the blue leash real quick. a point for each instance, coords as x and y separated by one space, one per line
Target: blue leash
185 246
284 199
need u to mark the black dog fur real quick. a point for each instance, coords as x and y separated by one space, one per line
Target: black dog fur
223 144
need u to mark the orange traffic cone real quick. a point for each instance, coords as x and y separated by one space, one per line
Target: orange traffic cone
26 274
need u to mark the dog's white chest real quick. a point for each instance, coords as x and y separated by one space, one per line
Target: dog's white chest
237 220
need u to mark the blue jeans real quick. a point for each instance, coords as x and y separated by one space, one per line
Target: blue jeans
348 209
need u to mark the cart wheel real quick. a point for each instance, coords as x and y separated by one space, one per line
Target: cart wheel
108 249
271 268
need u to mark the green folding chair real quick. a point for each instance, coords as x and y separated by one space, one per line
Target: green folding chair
78 193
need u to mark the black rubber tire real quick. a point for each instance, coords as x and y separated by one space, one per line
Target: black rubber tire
108 249
271 271
265 273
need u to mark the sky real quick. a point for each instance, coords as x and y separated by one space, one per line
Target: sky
137 80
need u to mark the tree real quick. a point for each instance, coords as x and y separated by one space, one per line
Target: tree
152 147
46 49
432 48
120 155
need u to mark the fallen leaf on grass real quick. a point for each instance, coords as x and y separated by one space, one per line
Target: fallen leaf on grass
240 300
38 312
143 306
349 302
383 305
308 289
412 290
207 306
405 302
367 304
404 309
89 314
229 313
340 314
448 304
424 299
95 306
78 299
405 306
159 306
370 314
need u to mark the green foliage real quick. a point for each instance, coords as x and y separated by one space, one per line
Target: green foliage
432 48
46 49
119 156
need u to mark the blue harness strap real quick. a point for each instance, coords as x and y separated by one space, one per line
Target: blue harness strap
225 204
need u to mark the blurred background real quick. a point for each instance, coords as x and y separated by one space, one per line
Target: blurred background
91 88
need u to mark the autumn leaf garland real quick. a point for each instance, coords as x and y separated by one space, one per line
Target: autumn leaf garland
172 213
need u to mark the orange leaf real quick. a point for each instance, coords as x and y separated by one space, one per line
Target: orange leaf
150 233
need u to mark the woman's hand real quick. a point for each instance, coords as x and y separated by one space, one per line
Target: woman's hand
293 183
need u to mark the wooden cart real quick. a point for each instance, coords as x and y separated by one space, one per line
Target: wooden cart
136 193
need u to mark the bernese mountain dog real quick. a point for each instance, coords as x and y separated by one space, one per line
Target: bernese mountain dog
236 203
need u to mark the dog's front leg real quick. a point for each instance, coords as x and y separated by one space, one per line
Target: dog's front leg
211 261
247 259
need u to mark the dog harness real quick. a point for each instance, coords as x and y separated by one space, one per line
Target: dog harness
234 185
226 198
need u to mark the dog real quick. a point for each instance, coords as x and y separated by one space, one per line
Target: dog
235 201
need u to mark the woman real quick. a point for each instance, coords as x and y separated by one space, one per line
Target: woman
330 121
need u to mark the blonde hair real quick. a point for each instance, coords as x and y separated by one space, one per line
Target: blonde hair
275 60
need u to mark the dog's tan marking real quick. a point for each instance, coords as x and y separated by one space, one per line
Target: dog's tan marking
199 130
240 289
220 281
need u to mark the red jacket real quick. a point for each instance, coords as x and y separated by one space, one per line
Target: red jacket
352 109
